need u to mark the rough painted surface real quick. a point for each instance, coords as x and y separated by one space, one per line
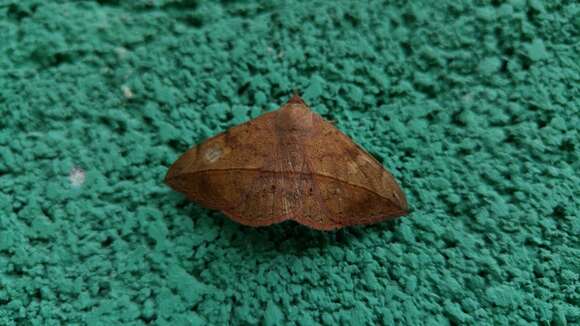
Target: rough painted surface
474 107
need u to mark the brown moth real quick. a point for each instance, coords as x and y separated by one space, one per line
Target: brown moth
289 164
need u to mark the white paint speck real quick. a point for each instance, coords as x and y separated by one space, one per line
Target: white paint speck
121 51
76 177
467 98
127 92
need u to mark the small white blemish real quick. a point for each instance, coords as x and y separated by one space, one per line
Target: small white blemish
127 92
467 98
352 167
363 160
213 154
121 52
273 52
76 177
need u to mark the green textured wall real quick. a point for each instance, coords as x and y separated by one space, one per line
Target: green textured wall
474 107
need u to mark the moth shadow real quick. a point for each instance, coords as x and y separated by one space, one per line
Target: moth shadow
288 237
285 237
293 238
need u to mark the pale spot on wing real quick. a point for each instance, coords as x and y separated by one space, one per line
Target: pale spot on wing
352 167
363 160
213 154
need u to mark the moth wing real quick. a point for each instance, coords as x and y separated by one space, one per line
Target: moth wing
351 186
246 146
229 172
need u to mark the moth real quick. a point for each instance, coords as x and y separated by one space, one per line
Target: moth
288 164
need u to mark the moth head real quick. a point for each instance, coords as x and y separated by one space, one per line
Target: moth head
295 117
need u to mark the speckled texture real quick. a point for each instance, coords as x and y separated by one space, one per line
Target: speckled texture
474 107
